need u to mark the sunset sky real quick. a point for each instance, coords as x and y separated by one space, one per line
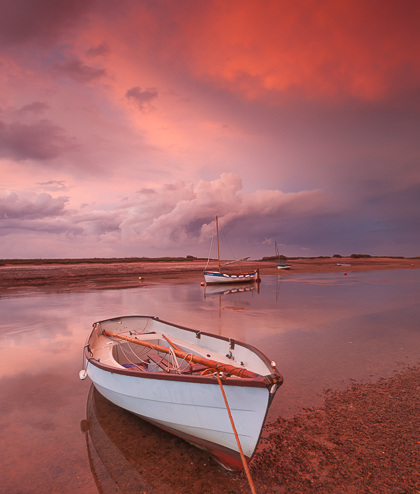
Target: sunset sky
127 125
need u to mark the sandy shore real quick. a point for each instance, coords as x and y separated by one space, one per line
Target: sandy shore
364 440
64 277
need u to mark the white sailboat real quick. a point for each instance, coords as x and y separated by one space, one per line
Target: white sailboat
225 276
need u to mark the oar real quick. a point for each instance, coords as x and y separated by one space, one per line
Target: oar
229 369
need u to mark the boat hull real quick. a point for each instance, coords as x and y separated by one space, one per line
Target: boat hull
189 406
211 277
193 411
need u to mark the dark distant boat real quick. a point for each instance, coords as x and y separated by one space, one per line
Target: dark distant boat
226 276
175 378
281 265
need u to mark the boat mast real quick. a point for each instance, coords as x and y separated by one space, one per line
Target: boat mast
218 251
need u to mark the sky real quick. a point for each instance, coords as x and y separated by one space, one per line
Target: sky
126 126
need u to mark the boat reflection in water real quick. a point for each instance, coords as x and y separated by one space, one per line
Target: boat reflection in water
128 455
210 290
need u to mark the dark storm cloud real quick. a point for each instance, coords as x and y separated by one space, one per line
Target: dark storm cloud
383 221
142 98
41 21
41 140
77 70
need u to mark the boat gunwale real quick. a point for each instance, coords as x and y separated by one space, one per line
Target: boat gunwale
221 278
264 381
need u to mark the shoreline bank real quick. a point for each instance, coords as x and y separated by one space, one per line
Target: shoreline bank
98 276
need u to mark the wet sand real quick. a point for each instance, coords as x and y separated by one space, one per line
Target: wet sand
364 439
64 277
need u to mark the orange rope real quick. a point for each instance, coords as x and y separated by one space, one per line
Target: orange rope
251 484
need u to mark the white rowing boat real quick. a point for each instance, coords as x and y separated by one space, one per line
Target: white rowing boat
168 375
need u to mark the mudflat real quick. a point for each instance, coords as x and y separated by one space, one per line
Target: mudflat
114 275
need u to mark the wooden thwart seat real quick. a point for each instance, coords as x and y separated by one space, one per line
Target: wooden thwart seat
166 366
195 368
161 362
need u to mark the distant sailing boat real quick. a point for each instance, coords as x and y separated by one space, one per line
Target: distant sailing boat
281 265
228 277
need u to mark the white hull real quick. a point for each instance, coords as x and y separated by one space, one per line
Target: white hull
190 406
211 277
193 410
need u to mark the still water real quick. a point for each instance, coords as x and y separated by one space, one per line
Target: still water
323 330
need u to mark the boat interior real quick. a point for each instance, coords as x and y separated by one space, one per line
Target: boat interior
124 354
114 350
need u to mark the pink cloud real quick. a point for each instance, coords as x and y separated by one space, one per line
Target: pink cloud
39 21
313 105
42 140
321 50
53 185
100 50
174 215
37 107
79 71
43 205
178 218
142 98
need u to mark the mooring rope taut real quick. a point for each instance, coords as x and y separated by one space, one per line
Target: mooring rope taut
248 474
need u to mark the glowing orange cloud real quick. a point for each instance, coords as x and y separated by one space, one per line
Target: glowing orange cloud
322 49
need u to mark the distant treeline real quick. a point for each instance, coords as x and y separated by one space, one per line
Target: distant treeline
353 256
98 260
110 260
